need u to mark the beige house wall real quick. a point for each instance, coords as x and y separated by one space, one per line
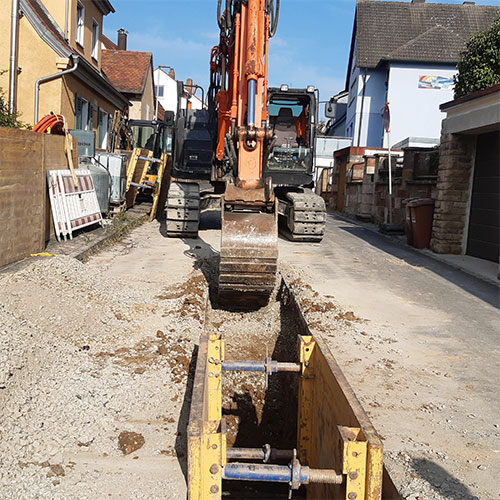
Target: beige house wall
72 86
34 63
57 9
5 10
138 109
37 60
148 97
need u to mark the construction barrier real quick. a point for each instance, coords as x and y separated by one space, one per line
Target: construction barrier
73 207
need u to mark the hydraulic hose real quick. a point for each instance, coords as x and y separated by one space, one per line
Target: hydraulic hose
219 17
275 18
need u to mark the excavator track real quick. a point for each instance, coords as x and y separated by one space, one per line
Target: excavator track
183 210
248 258
305 215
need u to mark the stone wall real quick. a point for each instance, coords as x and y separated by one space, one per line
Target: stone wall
453 193
367 197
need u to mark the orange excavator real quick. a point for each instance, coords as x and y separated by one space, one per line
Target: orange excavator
238 93
254 146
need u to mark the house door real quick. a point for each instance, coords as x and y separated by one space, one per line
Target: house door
484 221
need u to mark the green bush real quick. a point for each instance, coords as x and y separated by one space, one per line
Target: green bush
6 119
480 64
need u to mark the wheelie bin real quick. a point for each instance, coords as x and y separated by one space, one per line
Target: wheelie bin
421 211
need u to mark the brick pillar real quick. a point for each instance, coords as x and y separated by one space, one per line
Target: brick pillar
456 159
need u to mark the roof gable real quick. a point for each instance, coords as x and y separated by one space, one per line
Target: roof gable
127 70
416 32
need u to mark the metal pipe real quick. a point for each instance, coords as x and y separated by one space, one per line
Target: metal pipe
268 366
66 21
252 85
244 366
295 475
265 454
14 30
258 472
51 77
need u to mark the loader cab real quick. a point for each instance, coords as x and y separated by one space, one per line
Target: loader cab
153 135
292 117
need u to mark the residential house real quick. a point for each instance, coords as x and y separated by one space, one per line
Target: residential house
58 61
406 54
467 210
166 90
132 74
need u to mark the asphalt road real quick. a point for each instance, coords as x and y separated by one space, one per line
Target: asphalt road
439 403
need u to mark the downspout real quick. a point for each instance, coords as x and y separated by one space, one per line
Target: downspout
44 79
14 30
66 21
362 108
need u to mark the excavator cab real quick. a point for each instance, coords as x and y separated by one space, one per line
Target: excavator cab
292 117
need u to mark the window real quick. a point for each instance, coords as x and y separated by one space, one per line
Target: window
95 39
102 129
92 112
147 111
80 23
159 89
81 113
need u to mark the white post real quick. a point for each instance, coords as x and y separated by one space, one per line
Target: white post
390 176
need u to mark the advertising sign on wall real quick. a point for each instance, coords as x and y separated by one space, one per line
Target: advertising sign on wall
435 82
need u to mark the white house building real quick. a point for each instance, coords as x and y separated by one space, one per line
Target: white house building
166 91
405 53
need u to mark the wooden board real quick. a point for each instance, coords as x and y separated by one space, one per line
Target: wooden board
25 157
136 172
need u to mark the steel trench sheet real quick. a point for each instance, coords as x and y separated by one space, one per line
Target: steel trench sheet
333 431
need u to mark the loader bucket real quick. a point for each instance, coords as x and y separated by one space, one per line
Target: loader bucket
248 258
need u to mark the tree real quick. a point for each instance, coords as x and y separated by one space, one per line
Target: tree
479 67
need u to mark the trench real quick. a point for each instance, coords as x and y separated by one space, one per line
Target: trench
256 415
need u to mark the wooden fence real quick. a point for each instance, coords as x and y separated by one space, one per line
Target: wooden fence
25 217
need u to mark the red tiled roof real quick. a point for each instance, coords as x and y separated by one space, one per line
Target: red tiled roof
108 44
127 70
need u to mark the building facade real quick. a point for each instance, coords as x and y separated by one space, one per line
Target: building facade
467 211
55 37
406 54
131 73
166 91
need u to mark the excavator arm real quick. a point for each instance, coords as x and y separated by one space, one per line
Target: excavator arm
238 100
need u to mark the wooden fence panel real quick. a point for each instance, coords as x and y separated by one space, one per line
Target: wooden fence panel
25 216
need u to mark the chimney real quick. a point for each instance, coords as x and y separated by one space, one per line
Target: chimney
171 73
189 85
122 39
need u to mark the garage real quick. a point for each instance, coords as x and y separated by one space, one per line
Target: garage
484 219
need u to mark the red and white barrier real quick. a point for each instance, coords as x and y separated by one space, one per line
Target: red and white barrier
72 208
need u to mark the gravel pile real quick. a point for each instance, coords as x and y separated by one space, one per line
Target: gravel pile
84 361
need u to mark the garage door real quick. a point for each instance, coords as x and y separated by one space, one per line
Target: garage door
484 222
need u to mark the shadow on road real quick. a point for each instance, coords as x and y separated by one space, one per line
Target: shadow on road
182 425
444 484
487 292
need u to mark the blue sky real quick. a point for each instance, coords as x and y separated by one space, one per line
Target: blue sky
311 46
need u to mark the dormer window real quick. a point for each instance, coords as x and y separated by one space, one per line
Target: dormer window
80 23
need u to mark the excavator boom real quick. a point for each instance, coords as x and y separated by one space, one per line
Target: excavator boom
238 95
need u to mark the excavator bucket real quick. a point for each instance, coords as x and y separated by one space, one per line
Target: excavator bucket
248 258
